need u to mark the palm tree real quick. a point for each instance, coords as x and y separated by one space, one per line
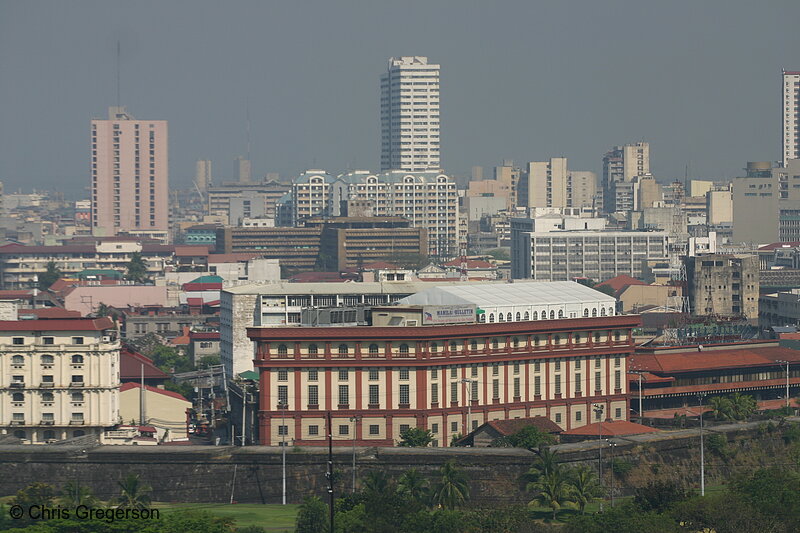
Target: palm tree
413 485
74 494
721 407
742 405
553 491
452 490
135 494
377 483
585 487
546 462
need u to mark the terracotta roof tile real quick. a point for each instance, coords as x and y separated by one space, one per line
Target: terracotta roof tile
615 428
172 394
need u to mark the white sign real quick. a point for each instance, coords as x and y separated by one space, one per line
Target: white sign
448 314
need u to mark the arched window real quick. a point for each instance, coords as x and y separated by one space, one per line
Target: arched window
552 315
434 347
617 335
17 397
17 360
610 311
586 312
47 396
482 317
577 338
491 318
78 433
519 317
312 349
509 317
515 342
404 349
557 340
602 311
453 346
47 359
77 359
495 344
473 345
501 317
597 336
19 434
560 313
282 349
594 312
527 315
535 315
343 349
373 349
77 396
49 435
536 340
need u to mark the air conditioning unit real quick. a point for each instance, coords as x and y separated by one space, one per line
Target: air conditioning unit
106 338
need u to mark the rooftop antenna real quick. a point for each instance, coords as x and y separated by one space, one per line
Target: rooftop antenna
686 178
247 120
118 53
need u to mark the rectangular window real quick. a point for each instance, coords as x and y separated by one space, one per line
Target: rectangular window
496 389
404 428
18 340
558 418
313 394
77 417
617 361
557 365
496 369
454 392
283 395
434 428
404 395
617 379
77 378
578 382
597 382
516 388
578 415
374 429
313 430
344 395
434 373
374 394
283 375
403 374
577 364
343 375
454 427
516 367
473 389
434 393
618 413
373 374
283 430
77 340
537 385
474 371
454 372
558 384
344 429
537 366
313 375
597 362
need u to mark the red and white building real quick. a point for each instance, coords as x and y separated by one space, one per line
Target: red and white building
377 381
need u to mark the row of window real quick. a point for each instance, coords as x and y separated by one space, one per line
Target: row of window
19 397
20 341
18 360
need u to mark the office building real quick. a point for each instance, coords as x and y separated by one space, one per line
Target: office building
723 285
410 115
61 378
202 174
130 176
766 203
620 166
547 183
450 378
268 192
790 106
243 171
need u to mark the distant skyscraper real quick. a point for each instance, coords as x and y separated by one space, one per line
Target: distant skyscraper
130 176
410 115
791 114
202 174
243 170
620 166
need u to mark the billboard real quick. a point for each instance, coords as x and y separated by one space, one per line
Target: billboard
448 314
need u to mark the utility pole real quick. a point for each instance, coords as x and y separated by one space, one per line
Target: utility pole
329 475
283 448
612 445
244 411
469 405
641 412
702 451
598 413
787 379
354 420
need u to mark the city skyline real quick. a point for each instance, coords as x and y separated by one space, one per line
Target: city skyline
513 91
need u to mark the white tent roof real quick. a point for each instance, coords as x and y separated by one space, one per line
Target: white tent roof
517 293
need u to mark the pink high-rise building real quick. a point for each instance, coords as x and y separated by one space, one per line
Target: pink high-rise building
130 176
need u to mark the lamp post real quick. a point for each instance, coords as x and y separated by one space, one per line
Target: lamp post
468 427
639 373
702 451
283 448
612 445
787 379
354 420
598 413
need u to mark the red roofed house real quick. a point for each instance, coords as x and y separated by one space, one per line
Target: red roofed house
489 432
134 366
620 282
606 430
672 377
475 268
165 410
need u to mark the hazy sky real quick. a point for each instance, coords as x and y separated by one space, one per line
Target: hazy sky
522 80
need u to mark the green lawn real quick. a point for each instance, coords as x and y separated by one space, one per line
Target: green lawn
271 517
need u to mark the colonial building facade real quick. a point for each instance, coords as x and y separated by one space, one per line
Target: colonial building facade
378 381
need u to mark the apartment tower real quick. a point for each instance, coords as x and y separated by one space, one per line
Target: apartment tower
620 166
130 176
791 116
410 115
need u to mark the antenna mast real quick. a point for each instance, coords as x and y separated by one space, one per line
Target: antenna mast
118 53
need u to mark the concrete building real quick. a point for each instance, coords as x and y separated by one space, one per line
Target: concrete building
165 411
202 174
766 203
547 183
790 106
247 207
410 115
130 176
219 197
620 166
561 255
581 189
448 378
294 247
719 206
243 170
723 285
779 309
61 378
650 192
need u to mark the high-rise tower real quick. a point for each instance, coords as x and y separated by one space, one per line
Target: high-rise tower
130 176
790 106
410 115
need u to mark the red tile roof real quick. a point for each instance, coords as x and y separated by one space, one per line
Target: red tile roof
49 313
212 335
190 250
471 263
620 282
776 245
231 258
615 428
131 364
132 385
61 324
16 295
380 265
692 361
510 427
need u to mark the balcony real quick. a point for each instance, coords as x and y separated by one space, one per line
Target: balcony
47 422
17 384
76 384
76 422
17 422
46 385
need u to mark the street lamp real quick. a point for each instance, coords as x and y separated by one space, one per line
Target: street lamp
598 414
284 430
702 450
612 445
787 379
641 412
470 384
354 420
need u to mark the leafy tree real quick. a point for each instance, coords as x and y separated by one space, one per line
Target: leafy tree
724 512
35 494
74 494
529 437
660 495
553 491
135 494
624 518
183 521
546 462
620 466
585 487
415 437
413 485
170 360
207 361
312 516
721 408
773 491
605 289
183 388
452 490
137 269
499 254
50 276
737 406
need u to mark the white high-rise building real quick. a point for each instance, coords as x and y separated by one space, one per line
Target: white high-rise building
791 115
410 115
